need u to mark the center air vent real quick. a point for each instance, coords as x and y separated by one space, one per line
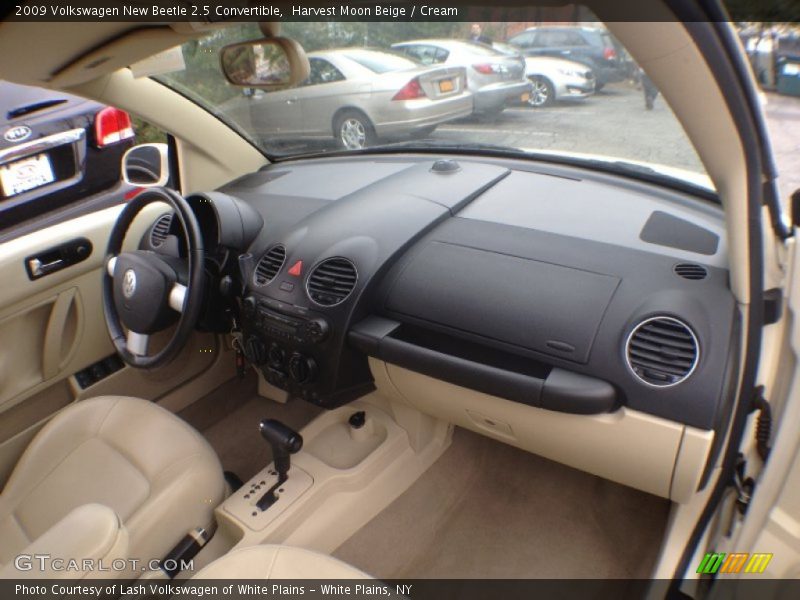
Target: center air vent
690 271
331 281
662 351
160 230
269 265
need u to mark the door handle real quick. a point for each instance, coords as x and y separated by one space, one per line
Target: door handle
40 269
291 101
57 258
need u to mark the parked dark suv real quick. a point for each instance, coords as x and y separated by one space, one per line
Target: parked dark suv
593 46
56 149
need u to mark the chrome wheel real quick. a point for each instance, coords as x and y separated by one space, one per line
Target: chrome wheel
541 93
353 134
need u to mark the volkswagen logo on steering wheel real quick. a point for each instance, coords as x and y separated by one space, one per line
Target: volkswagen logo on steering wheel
129 283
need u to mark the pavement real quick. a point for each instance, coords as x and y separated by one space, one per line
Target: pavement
612 122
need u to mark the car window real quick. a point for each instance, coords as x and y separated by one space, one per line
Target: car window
557 38
441 55
426 54
523 40
322 71
379 62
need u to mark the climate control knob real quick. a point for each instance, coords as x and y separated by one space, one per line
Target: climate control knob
255 351
317 330
302 368
276 356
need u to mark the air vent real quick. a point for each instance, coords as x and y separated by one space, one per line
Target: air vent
269 265
691 271
160 230
331 281
662 351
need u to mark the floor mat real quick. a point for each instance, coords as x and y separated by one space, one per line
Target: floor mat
229 416
488 510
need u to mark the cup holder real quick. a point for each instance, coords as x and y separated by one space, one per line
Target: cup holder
344 444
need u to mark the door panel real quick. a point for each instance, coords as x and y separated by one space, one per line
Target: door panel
53 327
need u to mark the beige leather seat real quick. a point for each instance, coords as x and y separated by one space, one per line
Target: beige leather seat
157 474
278 562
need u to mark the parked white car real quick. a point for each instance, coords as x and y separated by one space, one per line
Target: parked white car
556 79
553 79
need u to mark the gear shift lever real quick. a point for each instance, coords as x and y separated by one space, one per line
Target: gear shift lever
284 442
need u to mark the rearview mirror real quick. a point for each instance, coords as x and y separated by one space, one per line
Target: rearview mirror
271 63
146 165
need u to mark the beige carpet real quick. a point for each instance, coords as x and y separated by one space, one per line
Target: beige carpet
229 416
487 510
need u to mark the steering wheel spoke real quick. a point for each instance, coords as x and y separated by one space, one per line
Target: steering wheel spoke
137 343
177 297
110 265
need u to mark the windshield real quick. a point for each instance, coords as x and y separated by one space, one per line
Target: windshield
570 91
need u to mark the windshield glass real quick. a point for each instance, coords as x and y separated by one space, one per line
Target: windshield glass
570 90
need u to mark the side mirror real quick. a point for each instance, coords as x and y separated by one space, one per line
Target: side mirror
146 165
271 63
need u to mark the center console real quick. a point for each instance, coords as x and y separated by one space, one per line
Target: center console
354 461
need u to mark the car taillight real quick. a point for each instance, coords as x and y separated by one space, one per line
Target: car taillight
410 91
485 68
609 53
112 125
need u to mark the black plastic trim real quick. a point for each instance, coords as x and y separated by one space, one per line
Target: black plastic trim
480 368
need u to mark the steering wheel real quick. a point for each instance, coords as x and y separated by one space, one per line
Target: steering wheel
148 291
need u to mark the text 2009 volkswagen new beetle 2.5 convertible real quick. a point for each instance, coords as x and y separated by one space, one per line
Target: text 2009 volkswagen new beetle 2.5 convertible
542 345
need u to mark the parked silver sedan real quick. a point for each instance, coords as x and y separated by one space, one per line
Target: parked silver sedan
356 96
495 79
553 79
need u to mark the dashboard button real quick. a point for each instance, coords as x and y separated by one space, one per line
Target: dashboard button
287 286
297 269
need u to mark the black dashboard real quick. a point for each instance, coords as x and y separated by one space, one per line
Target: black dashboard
547 285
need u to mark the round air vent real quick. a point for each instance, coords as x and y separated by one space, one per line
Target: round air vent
690 271
269 265
662 351
331 281
160 230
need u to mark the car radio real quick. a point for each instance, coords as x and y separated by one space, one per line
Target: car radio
299 330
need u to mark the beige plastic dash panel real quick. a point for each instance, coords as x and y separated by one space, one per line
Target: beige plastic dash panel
627 446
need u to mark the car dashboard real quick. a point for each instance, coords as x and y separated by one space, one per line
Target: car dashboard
544 285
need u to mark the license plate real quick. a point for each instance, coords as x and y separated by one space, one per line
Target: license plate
525 97
26 174
446 85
